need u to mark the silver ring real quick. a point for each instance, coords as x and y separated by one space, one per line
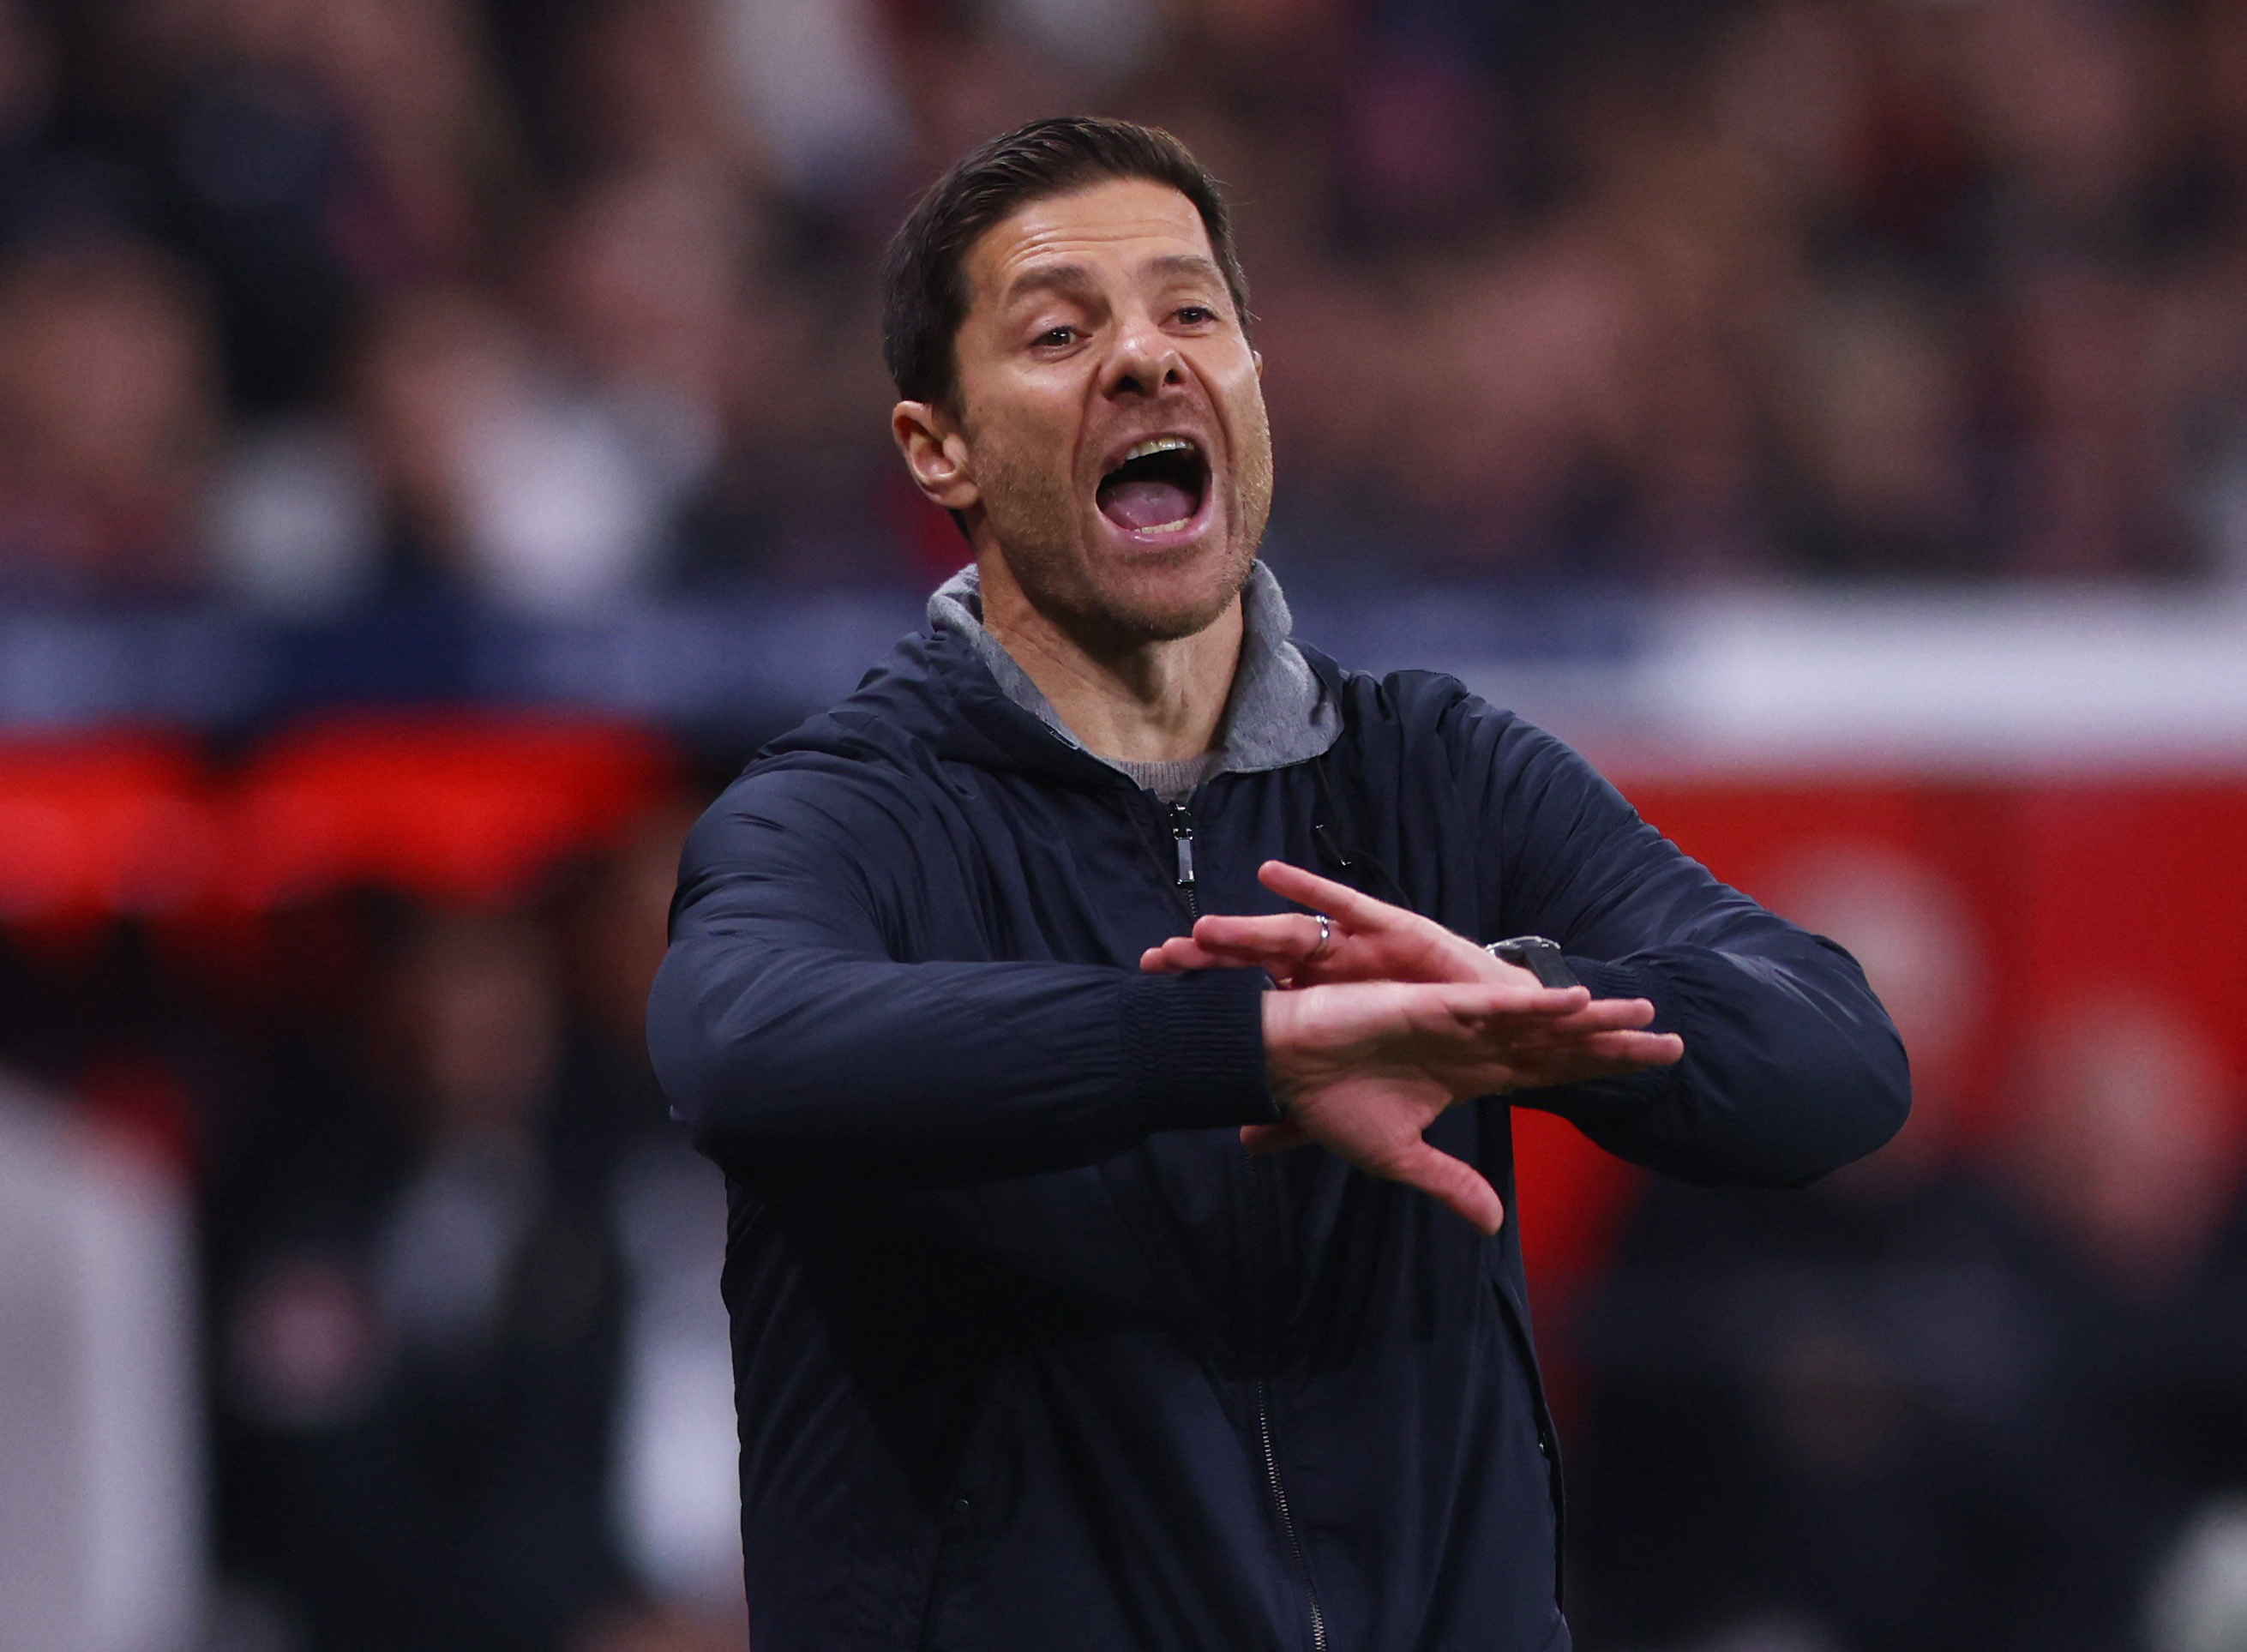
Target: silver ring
1326 937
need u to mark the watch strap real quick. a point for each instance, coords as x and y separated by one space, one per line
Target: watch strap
1542 957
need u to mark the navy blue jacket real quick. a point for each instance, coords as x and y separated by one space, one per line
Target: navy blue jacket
1029 1352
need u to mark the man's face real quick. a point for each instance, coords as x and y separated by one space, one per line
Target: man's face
1110 442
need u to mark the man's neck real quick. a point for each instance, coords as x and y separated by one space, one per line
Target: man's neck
1138 702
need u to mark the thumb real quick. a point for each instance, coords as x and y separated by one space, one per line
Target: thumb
1452 1182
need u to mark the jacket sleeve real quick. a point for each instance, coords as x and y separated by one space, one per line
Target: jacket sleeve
1792 1067
792 1033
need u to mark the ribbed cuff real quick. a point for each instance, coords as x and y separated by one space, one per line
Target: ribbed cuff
1193 1048
1632 1093
1630 980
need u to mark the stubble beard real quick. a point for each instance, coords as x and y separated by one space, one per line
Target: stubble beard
1034 513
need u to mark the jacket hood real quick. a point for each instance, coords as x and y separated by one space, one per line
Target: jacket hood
952 689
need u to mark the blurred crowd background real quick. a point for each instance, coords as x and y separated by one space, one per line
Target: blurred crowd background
355 1293
308 302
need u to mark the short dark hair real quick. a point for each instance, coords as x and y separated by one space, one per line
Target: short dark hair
925 281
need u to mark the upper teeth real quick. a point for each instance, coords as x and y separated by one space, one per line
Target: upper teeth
1157 445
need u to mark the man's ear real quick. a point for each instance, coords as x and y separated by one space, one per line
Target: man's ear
1257 356
936 454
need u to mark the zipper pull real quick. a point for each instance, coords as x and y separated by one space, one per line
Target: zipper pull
1182 836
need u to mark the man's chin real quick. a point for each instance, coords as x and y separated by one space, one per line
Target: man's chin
1168 603
1165 624
1162 592
1111 593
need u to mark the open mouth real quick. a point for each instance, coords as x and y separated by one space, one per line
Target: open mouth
1157 487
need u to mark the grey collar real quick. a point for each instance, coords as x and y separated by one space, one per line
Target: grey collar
1278 713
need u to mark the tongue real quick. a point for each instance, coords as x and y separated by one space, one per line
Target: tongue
1141 505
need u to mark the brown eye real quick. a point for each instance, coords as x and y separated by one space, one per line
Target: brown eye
1195 315
1057 337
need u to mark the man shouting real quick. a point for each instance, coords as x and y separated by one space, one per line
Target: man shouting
1096 1018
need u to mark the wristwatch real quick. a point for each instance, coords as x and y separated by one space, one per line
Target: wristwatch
1539 956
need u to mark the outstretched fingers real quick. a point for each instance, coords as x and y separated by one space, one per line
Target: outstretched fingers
1480 1008
1636 1049
1279 943
1607 1015
1600 1055
1320 894
1452 1182
1179 954
1283 941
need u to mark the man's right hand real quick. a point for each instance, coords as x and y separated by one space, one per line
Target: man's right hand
1364 1067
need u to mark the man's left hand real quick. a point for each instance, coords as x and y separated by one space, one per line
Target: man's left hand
1365 939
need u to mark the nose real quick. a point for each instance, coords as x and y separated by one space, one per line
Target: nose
1144 362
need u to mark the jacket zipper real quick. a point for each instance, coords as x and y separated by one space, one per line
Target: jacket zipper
1548 1443
1182 839
1286 1516
1265 1338
1182 830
